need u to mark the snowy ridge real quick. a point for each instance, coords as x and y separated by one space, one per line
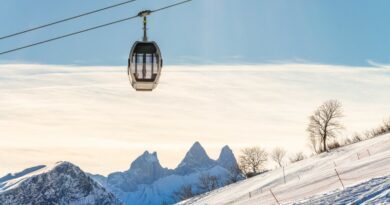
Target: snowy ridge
61 183
355 164
22 173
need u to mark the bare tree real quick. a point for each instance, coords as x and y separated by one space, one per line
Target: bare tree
277 155
297 157
185 192
252 160
207 182
324 123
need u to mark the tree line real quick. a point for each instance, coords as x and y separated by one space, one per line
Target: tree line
324 134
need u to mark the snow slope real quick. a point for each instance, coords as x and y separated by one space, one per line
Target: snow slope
355 163
374 191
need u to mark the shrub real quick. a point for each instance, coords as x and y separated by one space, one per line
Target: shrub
297 157
334 145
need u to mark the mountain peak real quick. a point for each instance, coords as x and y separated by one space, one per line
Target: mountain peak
144 160
226 158
61 183
197 148
195 159
143 170
226 148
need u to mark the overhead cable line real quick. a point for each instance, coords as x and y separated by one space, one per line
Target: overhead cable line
67 35
90 29
64 20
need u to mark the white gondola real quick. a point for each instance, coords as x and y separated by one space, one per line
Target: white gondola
145 62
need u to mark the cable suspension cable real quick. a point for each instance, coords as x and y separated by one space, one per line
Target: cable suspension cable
89 29
67 35
64 20
183 2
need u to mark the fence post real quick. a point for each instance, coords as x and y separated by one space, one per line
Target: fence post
358 155
284 176
277 201
368 151
250 195
339 178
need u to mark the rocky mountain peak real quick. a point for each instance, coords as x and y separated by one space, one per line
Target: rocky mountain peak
62 183
195 159
146 160
226 158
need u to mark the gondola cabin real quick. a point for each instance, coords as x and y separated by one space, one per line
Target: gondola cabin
144 67
145 62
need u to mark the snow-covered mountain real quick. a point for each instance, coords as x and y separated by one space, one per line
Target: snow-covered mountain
144 170
147 182
226 159
195 160
363 168
62 184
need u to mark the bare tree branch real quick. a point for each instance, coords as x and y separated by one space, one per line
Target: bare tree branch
277 155
252 160
324 124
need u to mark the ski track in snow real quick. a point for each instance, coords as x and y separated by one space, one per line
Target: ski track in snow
374 191
364 169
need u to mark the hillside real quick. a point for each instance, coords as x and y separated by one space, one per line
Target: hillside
357 164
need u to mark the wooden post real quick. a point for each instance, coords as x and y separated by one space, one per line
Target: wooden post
284 176
368 151
339 178
250 195
358 156
277 201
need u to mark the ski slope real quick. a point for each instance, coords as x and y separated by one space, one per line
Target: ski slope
374 191
363 167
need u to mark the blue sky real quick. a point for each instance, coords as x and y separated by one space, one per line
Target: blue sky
346 32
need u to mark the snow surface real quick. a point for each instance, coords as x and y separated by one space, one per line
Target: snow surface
374 191
355 163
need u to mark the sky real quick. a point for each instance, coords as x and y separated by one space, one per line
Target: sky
205 32
237 73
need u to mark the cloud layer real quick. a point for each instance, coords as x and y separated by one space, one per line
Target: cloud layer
91 115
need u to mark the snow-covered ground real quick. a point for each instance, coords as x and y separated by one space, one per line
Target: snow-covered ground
374 191
363 167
